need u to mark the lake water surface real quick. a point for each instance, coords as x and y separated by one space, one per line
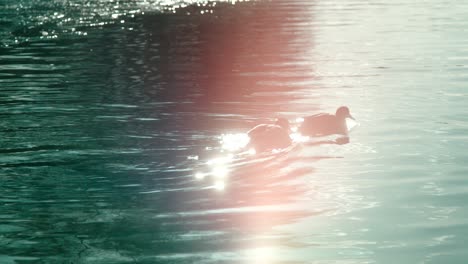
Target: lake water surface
111 115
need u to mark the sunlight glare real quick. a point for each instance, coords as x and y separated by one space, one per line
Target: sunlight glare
299 120
220 160
199 176
219 185
351 124
276 151
261 255
192 157
234 142
297 137
220 171
251 151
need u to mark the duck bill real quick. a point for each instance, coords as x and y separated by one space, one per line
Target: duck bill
351 117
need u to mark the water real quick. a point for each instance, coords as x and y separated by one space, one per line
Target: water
104 128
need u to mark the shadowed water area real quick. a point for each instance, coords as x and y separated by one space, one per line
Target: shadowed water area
109 112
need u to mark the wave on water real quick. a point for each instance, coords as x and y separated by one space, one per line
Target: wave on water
25 20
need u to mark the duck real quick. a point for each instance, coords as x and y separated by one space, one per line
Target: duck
324 124
265 137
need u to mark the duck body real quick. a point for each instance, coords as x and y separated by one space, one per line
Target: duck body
326 124
266 137
323 125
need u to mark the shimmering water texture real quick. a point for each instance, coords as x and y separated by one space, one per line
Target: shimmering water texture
30 20
237 151
123 131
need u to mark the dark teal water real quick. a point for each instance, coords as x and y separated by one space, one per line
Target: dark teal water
109 109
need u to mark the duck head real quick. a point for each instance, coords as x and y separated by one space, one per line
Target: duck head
343 113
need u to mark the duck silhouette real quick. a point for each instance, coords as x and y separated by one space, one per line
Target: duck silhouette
326 124
266 137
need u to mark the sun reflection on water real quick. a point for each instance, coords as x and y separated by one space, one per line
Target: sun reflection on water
256 186
261 255
199 176
234 152
298 138
351 124
219 167
234 142
220 172
219 185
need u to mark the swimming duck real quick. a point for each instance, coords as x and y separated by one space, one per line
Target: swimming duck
270 136
326 124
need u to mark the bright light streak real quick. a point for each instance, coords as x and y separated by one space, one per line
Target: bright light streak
194 157
220 171
297 137
261 255
234 142
219 185
299 120
221 160
199 176
276 151
251 151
